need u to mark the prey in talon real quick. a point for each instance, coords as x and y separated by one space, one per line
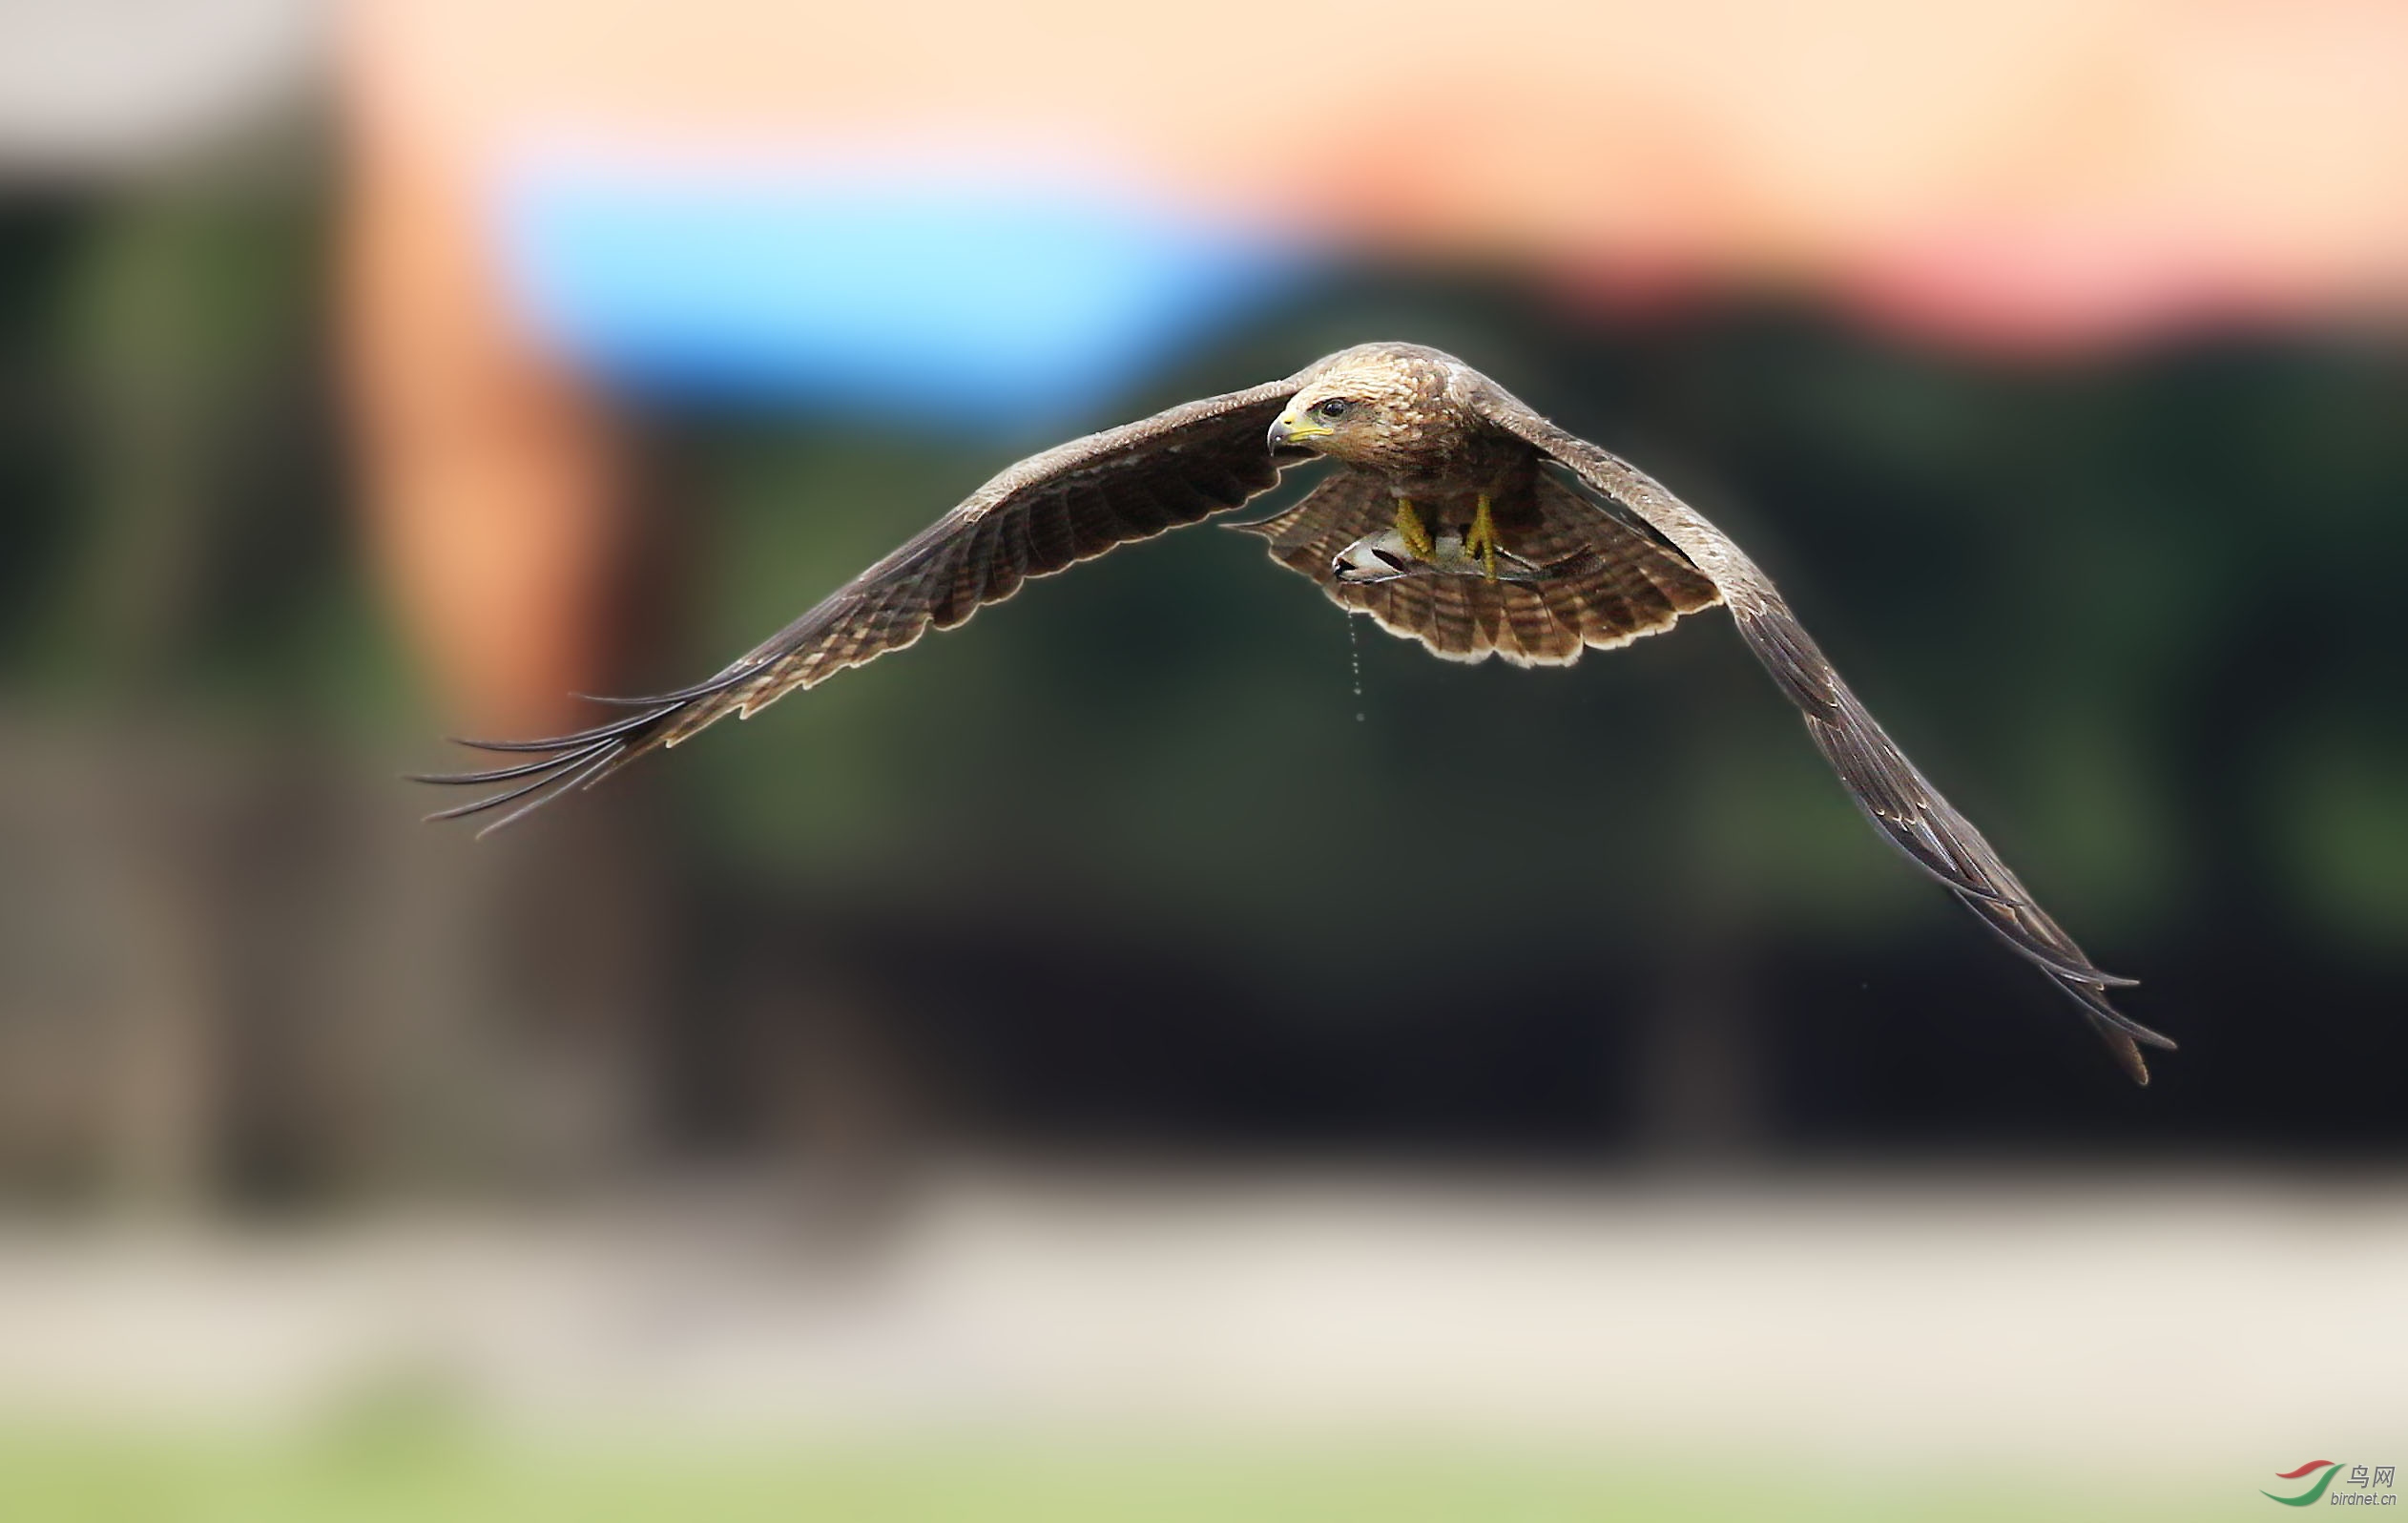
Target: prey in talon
1389 555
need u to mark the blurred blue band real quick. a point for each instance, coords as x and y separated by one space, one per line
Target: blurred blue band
980 308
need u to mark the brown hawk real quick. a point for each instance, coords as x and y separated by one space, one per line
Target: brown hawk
1455 515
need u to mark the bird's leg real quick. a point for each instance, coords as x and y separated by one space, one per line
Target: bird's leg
1417 539
1480 538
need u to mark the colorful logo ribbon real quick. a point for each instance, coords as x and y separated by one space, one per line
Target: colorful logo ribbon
2309 1497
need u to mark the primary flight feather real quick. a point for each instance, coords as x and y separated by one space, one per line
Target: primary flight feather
1454 515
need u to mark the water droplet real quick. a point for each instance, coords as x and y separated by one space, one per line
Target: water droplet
1355 655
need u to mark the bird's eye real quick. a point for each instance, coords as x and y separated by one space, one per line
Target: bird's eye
1334 407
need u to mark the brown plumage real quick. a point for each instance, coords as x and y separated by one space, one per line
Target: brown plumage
1596 555
1609 583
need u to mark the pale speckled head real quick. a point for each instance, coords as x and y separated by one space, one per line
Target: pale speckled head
1371 406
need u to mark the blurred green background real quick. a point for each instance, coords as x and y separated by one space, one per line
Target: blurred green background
1132 862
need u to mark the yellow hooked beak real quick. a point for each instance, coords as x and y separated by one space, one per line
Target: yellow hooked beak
1290 428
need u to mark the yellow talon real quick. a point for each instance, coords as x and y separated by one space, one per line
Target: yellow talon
1417 539
1481 540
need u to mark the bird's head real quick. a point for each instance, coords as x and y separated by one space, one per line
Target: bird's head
1321 425
1366 407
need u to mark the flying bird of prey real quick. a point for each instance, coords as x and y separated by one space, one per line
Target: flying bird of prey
1454 515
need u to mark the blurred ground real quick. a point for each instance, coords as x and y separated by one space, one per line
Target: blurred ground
457 1479
1974 1346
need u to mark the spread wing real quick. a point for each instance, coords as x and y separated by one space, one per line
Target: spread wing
1893 793
1072 503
